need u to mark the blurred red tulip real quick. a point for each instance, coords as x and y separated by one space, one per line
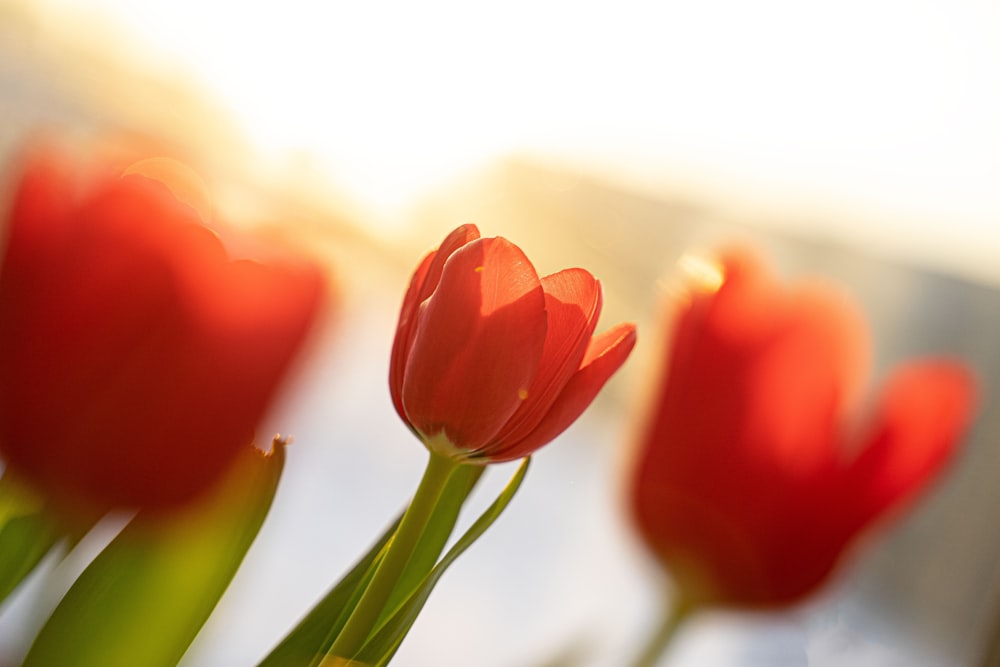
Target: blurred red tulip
490 361
754 470
136 358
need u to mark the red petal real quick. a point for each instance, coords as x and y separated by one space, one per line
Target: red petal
41 207
741 484
422 285
136 365
605 355
572 305
776 365
803 376
404 333
478 344
923 414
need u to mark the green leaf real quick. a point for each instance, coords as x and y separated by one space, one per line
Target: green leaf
146 596
24 542
308 643
27 533
435 535
380 648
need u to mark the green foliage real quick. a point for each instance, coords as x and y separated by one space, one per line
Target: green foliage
143 600
27 533
380 648
309 643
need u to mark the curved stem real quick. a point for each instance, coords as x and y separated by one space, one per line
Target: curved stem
674 614
398 552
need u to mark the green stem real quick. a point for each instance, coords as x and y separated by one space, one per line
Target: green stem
435 536
674 614
398 553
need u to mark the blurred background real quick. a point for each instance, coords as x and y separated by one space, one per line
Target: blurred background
855 140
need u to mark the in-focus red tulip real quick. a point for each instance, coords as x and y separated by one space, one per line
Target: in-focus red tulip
490 362
136 357
757 467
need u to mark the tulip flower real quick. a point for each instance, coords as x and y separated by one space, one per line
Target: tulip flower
490 362
757 468
136 357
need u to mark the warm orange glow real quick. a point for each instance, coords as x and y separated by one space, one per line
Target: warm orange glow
841 114
182 181
702 274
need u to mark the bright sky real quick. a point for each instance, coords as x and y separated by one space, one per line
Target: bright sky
884 108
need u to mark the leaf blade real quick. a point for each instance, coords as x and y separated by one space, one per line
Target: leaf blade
146 596
384 643
27 533
308 643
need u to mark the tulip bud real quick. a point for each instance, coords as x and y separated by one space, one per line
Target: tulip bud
490 362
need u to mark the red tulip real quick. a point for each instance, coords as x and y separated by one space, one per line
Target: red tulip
756 469
136 358
490 361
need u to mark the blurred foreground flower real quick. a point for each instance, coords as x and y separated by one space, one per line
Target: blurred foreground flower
755 469
490 361
136 358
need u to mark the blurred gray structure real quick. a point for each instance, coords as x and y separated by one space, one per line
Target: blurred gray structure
936 578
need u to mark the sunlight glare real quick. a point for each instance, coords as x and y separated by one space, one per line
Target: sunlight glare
885 105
